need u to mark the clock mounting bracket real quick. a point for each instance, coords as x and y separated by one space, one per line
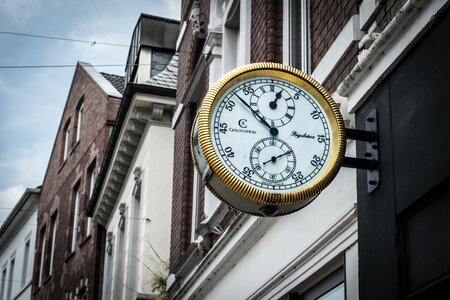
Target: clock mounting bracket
370 163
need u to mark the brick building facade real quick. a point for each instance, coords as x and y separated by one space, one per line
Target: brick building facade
68 246
350 47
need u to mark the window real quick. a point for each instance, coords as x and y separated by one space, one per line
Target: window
2 290
11 277
79 120
75 218
52 243
159 61
66 144
236 35
120 254
107 273
332 287
196 211
132 267
92 178
26 254
41 262
299 35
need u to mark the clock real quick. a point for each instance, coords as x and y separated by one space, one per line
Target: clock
268 139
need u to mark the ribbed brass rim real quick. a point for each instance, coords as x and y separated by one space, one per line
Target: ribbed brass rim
296 77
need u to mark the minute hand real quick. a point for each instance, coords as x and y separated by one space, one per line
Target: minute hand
272 130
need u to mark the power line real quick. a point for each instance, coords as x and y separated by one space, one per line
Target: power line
65 66
56 66
92 43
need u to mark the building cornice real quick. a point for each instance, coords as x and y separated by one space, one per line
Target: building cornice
141 105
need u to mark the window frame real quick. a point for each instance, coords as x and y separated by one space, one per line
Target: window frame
75 221
196 207
26 256
12 262
3 279
291 10
66 141
42 242
53 228
92 177
79 119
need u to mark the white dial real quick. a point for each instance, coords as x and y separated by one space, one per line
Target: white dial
271 133
268 139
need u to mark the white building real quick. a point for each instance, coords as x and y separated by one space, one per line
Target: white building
17 243
133 194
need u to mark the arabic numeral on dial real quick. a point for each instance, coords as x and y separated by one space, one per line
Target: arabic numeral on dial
315 161
296 96
223 127
258 149
288 169
273 176
297 176
248 90
315 115
272 143
321 138
257 167
230 105
248 172
229 151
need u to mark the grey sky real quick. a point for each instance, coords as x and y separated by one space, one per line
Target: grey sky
32 100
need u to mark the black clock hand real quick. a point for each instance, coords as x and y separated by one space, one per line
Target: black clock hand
273 104
272 130
274 158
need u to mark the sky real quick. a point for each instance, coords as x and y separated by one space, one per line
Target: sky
32 99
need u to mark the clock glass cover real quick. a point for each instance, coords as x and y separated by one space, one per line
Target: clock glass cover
271 134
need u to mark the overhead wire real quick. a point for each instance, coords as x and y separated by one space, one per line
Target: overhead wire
92 43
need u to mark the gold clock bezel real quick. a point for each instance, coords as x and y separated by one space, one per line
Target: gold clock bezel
296 77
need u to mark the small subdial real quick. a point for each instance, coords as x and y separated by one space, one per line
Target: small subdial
274 103
272 159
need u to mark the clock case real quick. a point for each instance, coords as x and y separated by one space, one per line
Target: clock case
233 190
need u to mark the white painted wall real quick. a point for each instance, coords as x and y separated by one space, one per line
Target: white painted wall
16 248
289 237
155 157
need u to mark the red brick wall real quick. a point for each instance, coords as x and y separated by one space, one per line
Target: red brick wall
58 194
189 53
343 68
266 31
386 12
327 20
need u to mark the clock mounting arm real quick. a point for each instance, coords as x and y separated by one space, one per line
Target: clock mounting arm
370 163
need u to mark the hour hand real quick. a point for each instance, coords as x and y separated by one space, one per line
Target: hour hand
273 131
273 104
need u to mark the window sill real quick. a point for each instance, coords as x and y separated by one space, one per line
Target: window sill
69 256
62 166
74 147
46 279
85 240
36 290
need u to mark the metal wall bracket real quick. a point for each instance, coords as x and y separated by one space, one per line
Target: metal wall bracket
370 163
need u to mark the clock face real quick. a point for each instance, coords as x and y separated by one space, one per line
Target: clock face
268 139
271 133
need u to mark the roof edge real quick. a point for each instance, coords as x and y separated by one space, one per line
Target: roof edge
101 81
